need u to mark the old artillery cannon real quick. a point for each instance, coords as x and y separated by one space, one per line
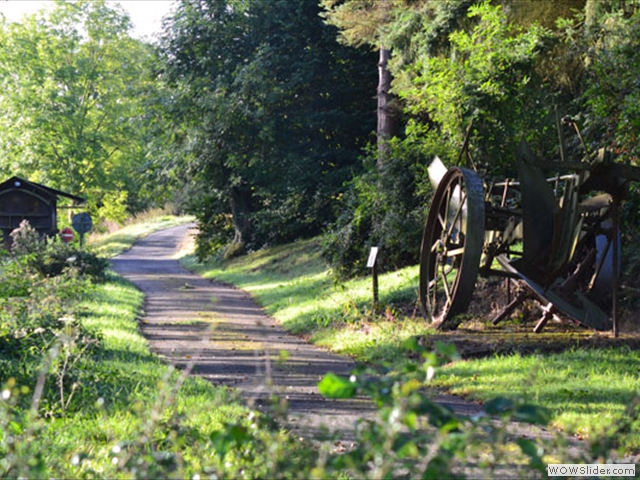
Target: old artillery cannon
558 236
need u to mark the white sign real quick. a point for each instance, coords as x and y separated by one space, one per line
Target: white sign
372 257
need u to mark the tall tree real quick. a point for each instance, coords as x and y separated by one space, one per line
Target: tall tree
363 22
71 106
453 62
274 114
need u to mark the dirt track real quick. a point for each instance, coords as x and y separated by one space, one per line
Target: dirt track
230 341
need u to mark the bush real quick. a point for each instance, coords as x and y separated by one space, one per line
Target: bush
51 256
25 239
56 256
385 207
39 321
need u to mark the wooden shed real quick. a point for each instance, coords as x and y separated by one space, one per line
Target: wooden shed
21 200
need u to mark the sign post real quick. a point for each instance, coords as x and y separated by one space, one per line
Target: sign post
372 264
82 224
66 235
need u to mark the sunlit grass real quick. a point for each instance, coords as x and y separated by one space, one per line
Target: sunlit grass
122 394
296 287
111 244
587 390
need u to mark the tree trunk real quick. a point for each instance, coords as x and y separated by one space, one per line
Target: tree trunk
388 121
240 201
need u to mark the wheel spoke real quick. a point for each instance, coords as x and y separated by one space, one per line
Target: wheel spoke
433 289
451 246
456 252
445 211
458 217
445 284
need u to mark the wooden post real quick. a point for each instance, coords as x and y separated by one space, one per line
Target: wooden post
372 264
616 259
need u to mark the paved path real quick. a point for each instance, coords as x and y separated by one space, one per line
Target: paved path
230 341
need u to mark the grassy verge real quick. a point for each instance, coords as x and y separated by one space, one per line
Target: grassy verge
132 416
110 245
82 396
293 284
587 390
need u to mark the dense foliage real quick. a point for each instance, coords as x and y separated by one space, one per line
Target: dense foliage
261 115
75 105
497 72
273 113
43 280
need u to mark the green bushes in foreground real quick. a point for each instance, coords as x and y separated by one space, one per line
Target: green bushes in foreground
81 395
85 398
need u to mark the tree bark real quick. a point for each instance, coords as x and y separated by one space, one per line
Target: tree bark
240 201
388 121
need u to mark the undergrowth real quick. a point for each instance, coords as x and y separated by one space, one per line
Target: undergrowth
83 397
296 287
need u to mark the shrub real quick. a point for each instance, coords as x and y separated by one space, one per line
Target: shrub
25 239
51 256
56 256
385 207
40 321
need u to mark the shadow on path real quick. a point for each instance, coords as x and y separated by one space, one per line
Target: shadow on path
230 341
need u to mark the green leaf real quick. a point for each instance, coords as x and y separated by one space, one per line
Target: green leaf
532 414
410 419
412 344
239 433
529 447
447 350
407 448
335 386
440 416
499 406
533 451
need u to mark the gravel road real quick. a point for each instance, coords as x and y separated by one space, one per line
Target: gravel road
229 340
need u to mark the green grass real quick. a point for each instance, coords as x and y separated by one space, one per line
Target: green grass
587 390
294 285
132 415
110 245
124 390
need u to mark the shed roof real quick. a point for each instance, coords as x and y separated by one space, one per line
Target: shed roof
17 182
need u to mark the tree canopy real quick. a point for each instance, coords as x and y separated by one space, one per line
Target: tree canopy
262 113
498 70
73 85
274 113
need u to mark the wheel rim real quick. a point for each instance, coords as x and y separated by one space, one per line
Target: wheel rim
451 247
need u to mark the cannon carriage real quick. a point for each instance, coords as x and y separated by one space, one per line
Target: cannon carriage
557 235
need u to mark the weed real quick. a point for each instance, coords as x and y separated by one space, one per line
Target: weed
586 389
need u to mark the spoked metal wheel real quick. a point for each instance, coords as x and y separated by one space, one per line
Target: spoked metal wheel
451 247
